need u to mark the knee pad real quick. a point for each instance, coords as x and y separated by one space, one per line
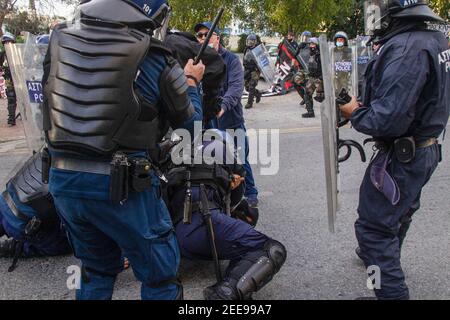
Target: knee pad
276 252
251 273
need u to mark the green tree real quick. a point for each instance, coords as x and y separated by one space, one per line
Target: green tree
22 20
441 7
187 13
8 7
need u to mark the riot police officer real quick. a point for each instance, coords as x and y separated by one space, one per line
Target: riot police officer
315 82
301 77
251 72
405 107
111 93
28 217
10 92
212 221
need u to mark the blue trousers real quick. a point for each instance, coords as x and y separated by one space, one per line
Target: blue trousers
100 232
381 227
251 191
234 238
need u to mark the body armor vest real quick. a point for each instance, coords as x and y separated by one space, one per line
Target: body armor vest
249 60
93 108
30 190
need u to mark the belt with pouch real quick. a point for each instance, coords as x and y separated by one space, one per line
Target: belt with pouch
405 147
426 143
125 173
87 166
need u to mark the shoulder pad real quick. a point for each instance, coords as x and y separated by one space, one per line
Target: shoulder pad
157 45
173 86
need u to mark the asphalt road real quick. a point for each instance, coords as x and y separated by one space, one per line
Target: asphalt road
320 265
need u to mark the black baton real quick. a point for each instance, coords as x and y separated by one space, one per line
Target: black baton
209 226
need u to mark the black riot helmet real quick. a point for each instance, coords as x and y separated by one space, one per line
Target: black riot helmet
8 38
220 163
379 13
145 14
341 39
305 37
252 40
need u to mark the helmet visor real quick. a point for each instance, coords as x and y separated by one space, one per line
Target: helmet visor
161 32
251 43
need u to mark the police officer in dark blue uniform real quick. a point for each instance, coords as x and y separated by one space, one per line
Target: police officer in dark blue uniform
405 108
112 91
10 92
254 257
28 217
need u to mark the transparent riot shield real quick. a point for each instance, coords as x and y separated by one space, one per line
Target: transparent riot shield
303 57
362 53
329 120
26 64
265 65
338 74
343 68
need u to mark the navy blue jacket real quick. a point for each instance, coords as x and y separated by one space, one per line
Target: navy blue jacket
231 93
407 91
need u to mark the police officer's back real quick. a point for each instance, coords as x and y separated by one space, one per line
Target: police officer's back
112 91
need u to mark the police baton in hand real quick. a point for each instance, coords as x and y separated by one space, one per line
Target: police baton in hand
208 37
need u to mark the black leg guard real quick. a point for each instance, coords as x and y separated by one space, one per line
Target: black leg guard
250 274
309 107
12 105
258 96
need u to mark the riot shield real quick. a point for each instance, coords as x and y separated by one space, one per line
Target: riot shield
25 62
328 118
338 76
343 70
362 54
303 58
264 64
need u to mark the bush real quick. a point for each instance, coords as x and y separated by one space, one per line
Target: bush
242 42
225 40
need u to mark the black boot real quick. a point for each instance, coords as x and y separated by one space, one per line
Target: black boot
11 121
308 115
8 248
221 291
309 108
258 96
319 97
251 98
